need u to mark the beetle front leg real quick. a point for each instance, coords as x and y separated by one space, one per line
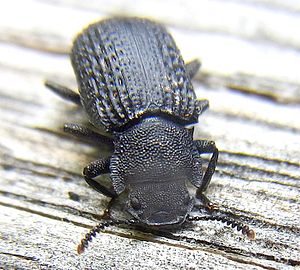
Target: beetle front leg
94 169
83 132
207 147
63 92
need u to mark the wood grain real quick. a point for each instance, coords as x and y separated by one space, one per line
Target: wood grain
251 57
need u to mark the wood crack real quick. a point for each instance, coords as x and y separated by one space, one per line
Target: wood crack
20 256
9 162
262 158
227 116
228 249
63 208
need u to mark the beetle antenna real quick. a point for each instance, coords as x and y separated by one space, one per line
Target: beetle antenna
239 226
97 229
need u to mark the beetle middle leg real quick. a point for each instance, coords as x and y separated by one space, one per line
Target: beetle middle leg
94 169
85 133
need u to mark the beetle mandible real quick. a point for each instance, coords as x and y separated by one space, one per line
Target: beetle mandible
133 82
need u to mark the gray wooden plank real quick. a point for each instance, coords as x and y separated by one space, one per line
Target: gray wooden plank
258 134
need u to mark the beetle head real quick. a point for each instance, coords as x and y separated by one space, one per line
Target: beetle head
160 204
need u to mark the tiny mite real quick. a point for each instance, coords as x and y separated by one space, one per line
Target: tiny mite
134 83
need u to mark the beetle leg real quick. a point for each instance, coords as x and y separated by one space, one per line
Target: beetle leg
94 169
201 105
207 147
63 92
83 132
193 67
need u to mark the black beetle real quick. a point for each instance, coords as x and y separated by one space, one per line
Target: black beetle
134 83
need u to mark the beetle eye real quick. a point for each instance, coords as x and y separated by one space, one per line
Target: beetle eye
136 205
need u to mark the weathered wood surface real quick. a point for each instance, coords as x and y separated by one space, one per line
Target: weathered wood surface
251 59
